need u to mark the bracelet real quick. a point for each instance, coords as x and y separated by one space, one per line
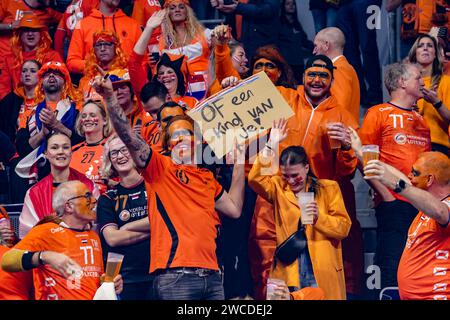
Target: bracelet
437 105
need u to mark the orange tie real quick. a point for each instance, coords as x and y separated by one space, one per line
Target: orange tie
239 23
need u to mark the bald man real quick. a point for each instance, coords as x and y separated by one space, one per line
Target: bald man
423 268
330 42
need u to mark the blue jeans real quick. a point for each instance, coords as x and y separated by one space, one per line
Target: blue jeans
176 284
306 271
360 40
324 18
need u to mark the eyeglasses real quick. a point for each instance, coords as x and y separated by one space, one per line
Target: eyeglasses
322 75
87 196
114 154
105 44
268 65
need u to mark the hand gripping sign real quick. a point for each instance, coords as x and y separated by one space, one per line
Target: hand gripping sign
240 112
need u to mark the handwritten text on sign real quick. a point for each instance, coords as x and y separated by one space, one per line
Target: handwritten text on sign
240 112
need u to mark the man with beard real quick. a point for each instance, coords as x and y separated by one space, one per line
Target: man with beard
55 112
11 12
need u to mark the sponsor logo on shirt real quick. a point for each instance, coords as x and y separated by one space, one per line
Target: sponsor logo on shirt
124 215
400 138
442 254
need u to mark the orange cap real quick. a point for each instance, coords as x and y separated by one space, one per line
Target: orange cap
169 2
32 22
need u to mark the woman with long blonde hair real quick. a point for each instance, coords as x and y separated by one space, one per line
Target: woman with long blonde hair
434 106
182 35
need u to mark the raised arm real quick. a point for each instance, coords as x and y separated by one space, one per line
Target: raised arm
230 204
140 151
421 199
153 22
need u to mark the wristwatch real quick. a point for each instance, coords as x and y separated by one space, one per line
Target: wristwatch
400 186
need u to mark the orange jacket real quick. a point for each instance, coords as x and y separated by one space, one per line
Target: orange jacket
307 128
127 29
224 67
438 126
346 87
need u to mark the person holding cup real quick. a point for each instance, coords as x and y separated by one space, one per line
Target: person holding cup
330 221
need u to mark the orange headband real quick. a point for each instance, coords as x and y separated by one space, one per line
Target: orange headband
104 37
169 2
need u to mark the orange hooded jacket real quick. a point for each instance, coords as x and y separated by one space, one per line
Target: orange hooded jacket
346 86
127 29
308 129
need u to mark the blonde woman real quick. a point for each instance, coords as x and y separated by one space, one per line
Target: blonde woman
93 124
124 204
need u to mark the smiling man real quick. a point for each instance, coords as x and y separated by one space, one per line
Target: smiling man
423 268
64 252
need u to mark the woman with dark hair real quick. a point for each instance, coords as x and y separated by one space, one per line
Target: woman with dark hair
319 263
270 60
292 39
38 199
434 106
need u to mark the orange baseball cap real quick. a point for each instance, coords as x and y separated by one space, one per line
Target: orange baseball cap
31 22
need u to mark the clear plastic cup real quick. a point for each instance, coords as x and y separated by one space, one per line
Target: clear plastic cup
113 265
272 286
370 152
305 198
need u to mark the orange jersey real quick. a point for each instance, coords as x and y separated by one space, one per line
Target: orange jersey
142 11
438 126
87 159
151 132
346 87
81 246
183 218
423 272
14 10
401 134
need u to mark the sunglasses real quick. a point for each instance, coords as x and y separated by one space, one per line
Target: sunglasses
87 196
313 74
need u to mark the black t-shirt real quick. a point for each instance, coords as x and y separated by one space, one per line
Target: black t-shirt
119 207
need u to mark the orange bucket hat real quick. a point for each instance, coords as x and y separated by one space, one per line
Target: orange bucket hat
31 22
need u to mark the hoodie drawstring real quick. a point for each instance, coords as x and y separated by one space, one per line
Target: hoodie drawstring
113 21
